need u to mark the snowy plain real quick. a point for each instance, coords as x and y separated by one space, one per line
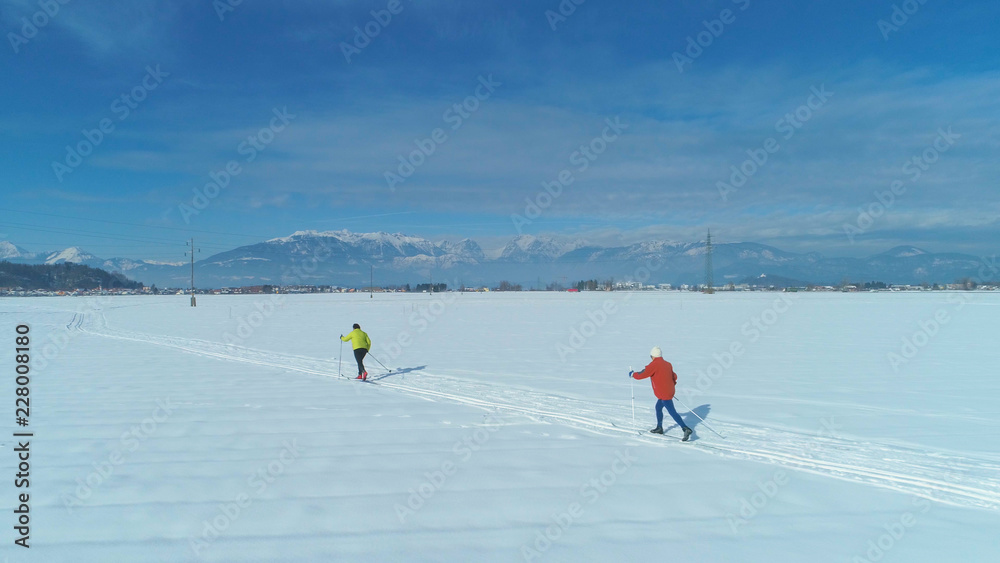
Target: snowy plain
859 427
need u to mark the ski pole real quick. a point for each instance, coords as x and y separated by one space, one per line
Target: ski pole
699 418
381 364
340 358
632 385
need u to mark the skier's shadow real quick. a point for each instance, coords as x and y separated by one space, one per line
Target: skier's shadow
398 371
693 421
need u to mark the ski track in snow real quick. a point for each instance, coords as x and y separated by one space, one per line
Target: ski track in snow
943 477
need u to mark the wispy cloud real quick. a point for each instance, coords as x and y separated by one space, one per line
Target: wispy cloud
668 162
685 130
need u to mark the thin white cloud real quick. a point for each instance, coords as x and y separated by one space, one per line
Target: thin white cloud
679 143
137 28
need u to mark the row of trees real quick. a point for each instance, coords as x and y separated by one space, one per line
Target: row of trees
435 288
583 285
594 285
61 277
507 286
965 283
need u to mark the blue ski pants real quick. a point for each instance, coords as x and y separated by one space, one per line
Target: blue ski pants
670 409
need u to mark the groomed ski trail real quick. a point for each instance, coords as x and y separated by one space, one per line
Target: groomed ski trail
943 477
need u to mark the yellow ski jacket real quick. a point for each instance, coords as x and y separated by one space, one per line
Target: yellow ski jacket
358 339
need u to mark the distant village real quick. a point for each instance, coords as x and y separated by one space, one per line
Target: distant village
583 286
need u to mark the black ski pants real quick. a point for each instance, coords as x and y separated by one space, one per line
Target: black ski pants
359 355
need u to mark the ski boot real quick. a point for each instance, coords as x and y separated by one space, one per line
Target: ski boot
657 430
687 434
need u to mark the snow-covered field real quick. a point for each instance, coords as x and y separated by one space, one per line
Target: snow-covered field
859 427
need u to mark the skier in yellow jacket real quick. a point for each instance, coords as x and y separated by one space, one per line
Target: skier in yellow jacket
361 344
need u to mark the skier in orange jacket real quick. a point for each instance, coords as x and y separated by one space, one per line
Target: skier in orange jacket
662 375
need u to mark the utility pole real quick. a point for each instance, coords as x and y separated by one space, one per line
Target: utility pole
709 274
192 251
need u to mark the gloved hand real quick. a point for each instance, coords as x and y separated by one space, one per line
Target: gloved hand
631 373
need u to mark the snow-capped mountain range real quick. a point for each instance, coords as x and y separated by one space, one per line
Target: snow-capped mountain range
345 258
10 251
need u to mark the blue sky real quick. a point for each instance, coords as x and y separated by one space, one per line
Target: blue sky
217 80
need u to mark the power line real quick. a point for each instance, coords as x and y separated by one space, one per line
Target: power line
83 233
134 224
709 273
96 234
221 248
193 250
189 230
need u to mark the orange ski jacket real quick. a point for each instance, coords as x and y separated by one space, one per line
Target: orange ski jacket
661 372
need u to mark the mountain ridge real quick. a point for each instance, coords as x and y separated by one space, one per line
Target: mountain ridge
346 258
